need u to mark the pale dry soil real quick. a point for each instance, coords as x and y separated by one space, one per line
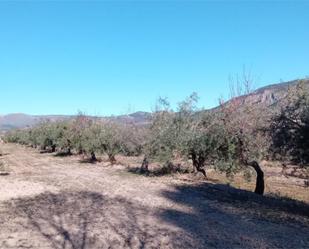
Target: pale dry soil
59 202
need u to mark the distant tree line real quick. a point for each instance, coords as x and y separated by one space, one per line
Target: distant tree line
83 135
233 138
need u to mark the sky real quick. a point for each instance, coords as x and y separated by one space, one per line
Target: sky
107 58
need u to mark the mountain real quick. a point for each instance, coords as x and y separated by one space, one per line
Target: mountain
271 96
17 120
20 120
139 118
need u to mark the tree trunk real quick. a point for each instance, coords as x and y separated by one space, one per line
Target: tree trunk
198 163
93 157
81 151
144 167
112 159
53 148
260 185
69 147
199 169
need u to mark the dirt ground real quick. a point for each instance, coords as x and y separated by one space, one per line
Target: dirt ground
59 202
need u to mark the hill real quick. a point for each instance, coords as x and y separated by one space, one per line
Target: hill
21 120
271 96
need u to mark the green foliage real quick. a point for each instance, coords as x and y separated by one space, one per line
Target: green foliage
63 136
184 133
290 128
133 139
160 140
84 135
90 139
111 139
76 130
229 138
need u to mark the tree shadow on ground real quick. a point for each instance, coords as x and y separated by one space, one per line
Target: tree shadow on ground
87 220
4 154
198 216
160 171
89 161
63 154
224 217
47 151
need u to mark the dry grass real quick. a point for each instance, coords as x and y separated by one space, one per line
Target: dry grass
278 184
275 182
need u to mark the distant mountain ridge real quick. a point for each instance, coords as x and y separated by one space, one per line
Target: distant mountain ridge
21 120
270 95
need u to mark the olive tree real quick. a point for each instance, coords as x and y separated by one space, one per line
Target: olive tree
77 128
63 136
111 140
241 140
90 140
290 127
18 136
106 137
196 135
133 138
160 140
185 133
41 135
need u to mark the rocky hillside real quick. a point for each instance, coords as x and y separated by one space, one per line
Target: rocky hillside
273 95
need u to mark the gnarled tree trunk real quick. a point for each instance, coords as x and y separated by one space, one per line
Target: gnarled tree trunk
93 157
198 163
69 147
112 159
145 164
260 185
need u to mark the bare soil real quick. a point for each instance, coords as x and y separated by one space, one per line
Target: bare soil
58 202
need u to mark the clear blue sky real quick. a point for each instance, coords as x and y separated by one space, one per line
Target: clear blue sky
113 57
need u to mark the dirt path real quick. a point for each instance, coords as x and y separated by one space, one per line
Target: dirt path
57 202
